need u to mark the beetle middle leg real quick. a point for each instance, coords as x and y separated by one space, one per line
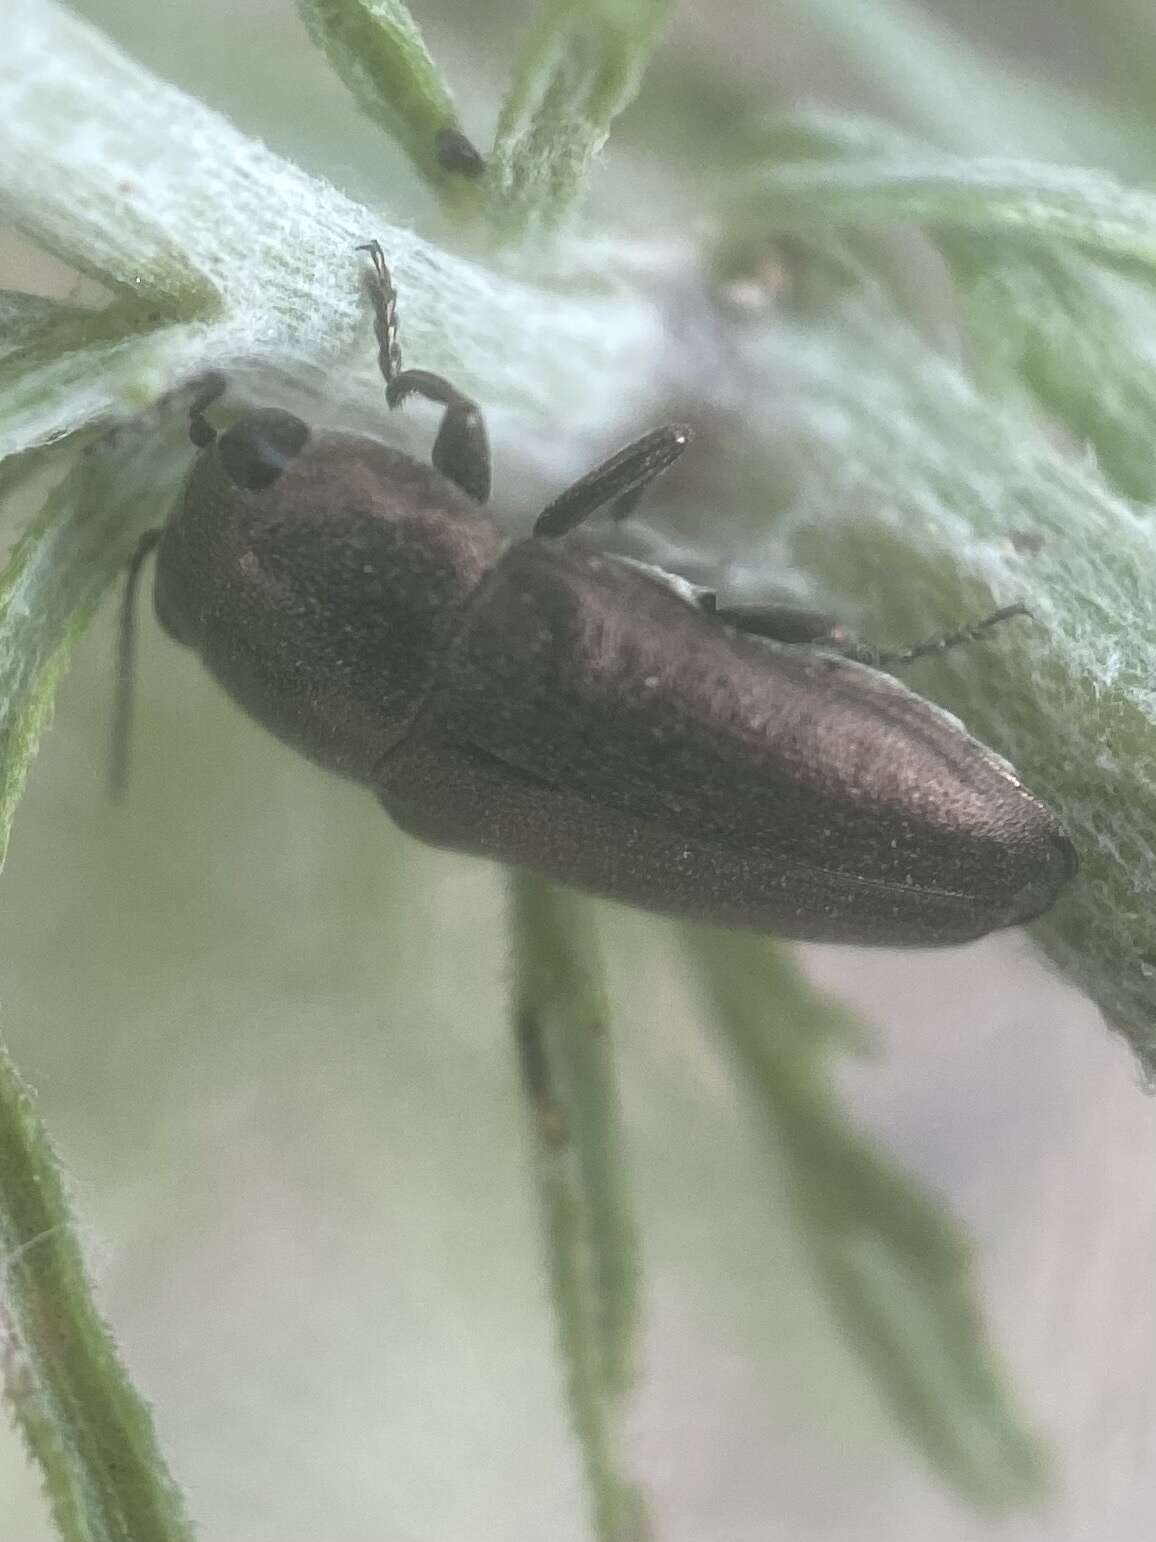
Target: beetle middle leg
461 450
780 623
619 481
783 624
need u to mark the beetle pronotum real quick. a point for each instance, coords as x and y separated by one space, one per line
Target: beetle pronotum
543 703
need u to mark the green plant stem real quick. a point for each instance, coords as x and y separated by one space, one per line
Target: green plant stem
582 63
82 1420
80 1416
894 1268
563 1046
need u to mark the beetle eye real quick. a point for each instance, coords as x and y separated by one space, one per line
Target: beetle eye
258 449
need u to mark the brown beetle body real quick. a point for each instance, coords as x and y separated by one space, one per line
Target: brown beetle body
549 706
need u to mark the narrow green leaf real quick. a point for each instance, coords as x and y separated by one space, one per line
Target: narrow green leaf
1039 312
960 96
1076 334
83 1422
894 1268
1086 207
581 65
376 48
27 319
81 1418
35 332
562 1032
60 569
814 132
62 367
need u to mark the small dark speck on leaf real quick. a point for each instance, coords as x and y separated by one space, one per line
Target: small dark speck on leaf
456 153
1026 542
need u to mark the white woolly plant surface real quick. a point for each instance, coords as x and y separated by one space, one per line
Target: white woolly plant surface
222 253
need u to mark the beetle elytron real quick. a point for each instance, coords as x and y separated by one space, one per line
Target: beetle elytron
545 704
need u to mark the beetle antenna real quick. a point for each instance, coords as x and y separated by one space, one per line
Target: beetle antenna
126 670
946 640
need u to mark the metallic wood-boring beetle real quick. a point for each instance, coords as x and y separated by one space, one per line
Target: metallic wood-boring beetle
548 705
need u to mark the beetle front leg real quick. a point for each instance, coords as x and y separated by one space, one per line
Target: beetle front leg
461 450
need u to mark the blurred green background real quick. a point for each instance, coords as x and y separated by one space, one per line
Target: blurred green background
269 1036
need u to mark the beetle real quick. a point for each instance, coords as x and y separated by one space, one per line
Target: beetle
546 704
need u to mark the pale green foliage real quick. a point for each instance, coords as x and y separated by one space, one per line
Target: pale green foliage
894 1267
898 441
83 1421
580 66
977 195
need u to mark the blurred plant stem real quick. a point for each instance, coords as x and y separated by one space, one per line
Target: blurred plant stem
562 1034
895 1269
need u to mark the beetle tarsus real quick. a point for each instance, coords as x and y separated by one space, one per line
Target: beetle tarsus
946 640
384 297
619 481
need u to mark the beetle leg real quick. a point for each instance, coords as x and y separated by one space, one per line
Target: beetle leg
619 481
946 640
780 623
207 389
126 668
812 628
461 450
